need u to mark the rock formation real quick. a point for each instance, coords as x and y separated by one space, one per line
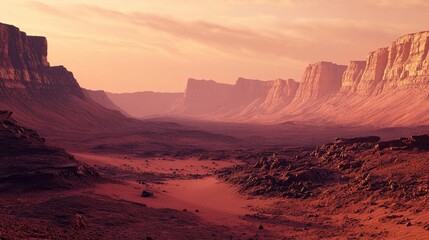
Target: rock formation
404 64
101 98
243 99
205 96
389 88
43 96
320 80
352 76
24 64
27 163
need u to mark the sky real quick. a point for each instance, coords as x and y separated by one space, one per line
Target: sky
156 45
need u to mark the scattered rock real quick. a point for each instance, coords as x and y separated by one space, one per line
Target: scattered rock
146 194
79 222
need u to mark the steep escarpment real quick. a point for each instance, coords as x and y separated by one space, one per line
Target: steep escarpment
24 64
241 100
320 80
402 65
205 96
352 76
43 96
389 88
101 98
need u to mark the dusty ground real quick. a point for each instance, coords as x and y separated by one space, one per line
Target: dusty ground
342 190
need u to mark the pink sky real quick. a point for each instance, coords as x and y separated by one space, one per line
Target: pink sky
132 45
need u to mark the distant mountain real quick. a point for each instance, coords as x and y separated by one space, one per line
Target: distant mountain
100 97
389 88
50 100
144 104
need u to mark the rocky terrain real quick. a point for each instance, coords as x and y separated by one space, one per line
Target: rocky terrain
169 177
27 163
368 181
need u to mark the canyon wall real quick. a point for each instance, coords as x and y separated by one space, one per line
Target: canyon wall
320 80
389 88
352 76
245 97
24 64
43 96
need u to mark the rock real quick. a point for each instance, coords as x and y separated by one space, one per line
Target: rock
49 168
319 80
374 71
24 60
352 76
415 142
370 139
245 96
79 222
147 194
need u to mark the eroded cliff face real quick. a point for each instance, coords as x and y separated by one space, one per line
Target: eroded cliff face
389 88
408 62
320 80
374 71
402 65
42 96
205 96
352 76
24 64
246 96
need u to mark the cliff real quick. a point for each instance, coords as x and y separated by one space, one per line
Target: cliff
100 97
43 96
24 64
389 88
352 76
320 80
404 64
243 99
205 96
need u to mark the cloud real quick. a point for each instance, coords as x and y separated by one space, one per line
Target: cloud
48 9
302 39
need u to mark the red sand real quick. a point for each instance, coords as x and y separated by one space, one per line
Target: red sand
215 201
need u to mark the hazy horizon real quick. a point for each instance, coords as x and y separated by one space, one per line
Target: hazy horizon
136 46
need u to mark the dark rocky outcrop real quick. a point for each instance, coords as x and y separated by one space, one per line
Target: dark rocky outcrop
273 176
415 142
26 162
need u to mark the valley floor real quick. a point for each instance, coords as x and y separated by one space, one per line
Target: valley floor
190 202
